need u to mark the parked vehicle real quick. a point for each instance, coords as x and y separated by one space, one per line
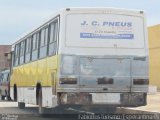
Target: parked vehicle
5 84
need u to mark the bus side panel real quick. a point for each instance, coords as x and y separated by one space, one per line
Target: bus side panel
50 91
30 78
42 70
17 80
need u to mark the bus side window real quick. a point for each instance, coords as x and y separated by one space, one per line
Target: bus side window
22 48
43 43
28 50
35 40
12 61
53 38
16 57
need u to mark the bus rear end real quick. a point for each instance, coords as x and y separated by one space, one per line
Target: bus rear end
104 57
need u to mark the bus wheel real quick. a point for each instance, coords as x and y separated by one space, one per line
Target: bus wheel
59 99
15 93
41 109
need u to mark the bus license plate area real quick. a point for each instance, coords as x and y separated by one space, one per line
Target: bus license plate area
106 98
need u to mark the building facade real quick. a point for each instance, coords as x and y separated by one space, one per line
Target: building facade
4 63
154 53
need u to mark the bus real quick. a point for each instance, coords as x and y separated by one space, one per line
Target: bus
83 56
5 84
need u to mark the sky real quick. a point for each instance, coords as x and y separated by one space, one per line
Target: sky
20 16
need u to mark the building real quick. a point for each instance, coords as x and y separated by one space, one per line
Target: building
154 53
4 63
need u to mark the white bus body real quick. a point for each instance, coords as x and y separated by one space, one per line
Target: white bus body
106 50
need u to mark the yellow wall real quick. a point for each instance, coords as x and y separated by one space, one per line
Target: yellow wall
154 54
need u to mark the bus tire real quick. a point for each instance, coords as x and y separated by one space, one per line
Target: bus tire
21 105
40 108
59 99
15 93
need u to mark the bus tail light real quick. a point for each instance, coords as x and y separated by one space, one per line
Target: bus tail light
105 80
68 80
140 81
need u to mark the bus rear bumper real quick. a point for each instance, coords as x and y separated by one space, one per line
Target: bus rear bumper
120 99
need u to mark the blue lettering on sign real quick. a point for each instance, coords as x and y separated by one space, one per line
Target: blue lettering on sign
84 23
94 23
107 23
100 36
117 24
